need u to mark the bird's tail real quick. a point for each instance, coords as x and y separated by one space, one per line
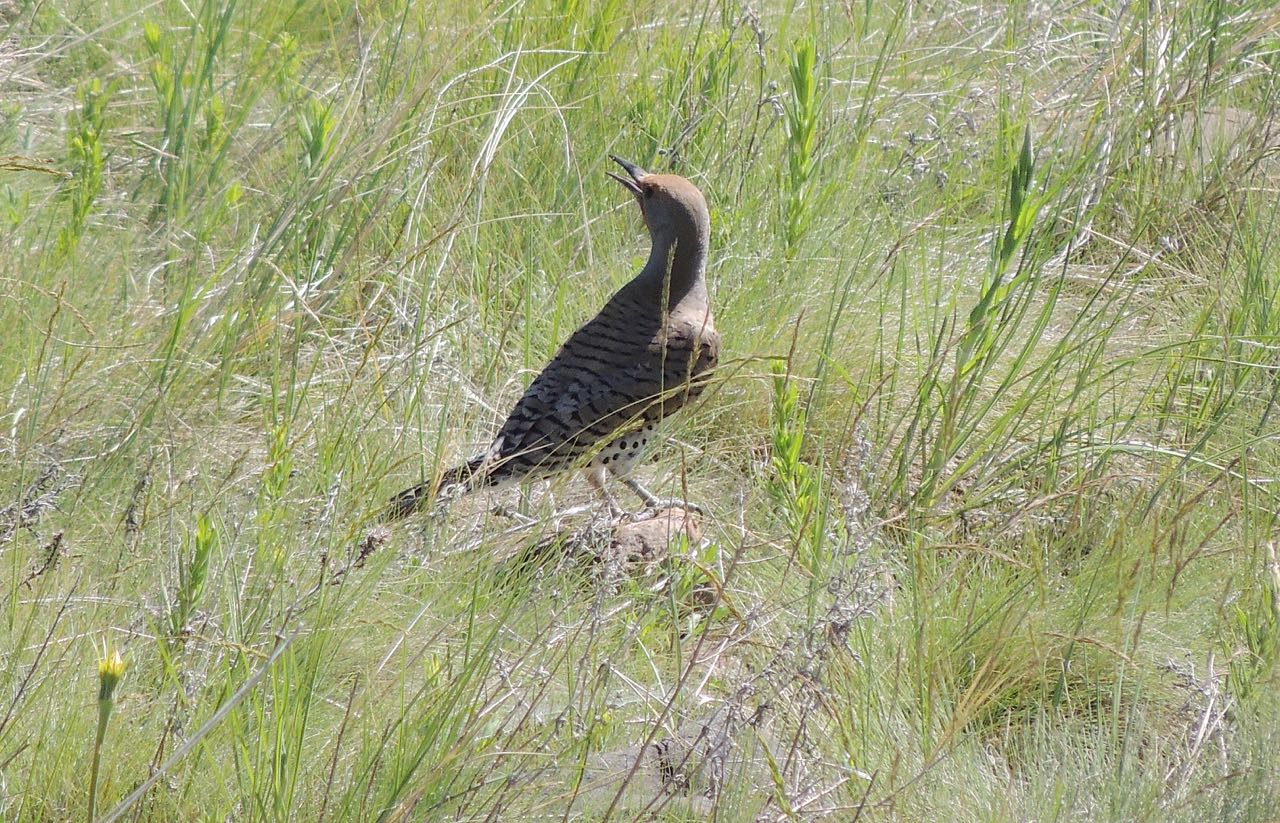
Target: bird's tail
454 482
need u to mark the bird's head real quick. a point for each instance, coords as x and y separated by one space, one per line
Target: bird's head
673 208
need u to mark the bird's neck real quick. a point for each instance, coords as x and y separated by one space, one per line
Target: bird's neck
676 267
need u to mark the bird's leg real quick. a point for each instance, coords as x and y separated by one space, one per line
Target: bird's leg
596 478
654 502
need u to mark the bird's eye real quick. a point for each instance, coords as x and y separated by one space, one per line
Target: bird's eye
648 192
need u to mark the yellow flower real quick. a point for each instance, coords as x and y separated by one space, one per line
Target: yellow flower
110 669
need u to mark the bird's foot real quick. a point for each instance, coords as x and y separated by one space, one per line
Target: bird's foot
653 503
613 512
595 477
677 503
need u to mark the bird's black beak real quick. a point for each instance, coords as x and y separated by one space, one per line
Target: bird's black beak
633 184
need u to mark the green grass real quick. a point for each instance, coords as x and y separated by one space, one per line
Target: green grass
990 471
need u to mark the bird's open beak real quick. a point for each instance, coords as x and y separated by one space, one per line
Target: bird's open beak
633 184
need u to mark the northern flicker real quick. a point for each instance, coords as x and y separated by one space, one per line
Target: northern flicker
596 405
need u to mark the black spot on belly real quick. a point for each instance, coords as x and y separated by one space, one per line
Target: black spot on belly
606 461
630 455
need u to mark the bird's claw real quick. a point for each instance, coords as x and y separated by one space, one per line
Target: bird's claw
674 503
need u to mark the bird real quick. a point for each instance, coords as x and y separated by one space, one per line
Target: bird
596 405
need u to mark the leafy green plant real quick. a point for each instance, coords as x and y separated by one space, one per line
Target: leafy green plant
86 131
954 396
1255 637
193 575
315 127
795 485
802 109
194 131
